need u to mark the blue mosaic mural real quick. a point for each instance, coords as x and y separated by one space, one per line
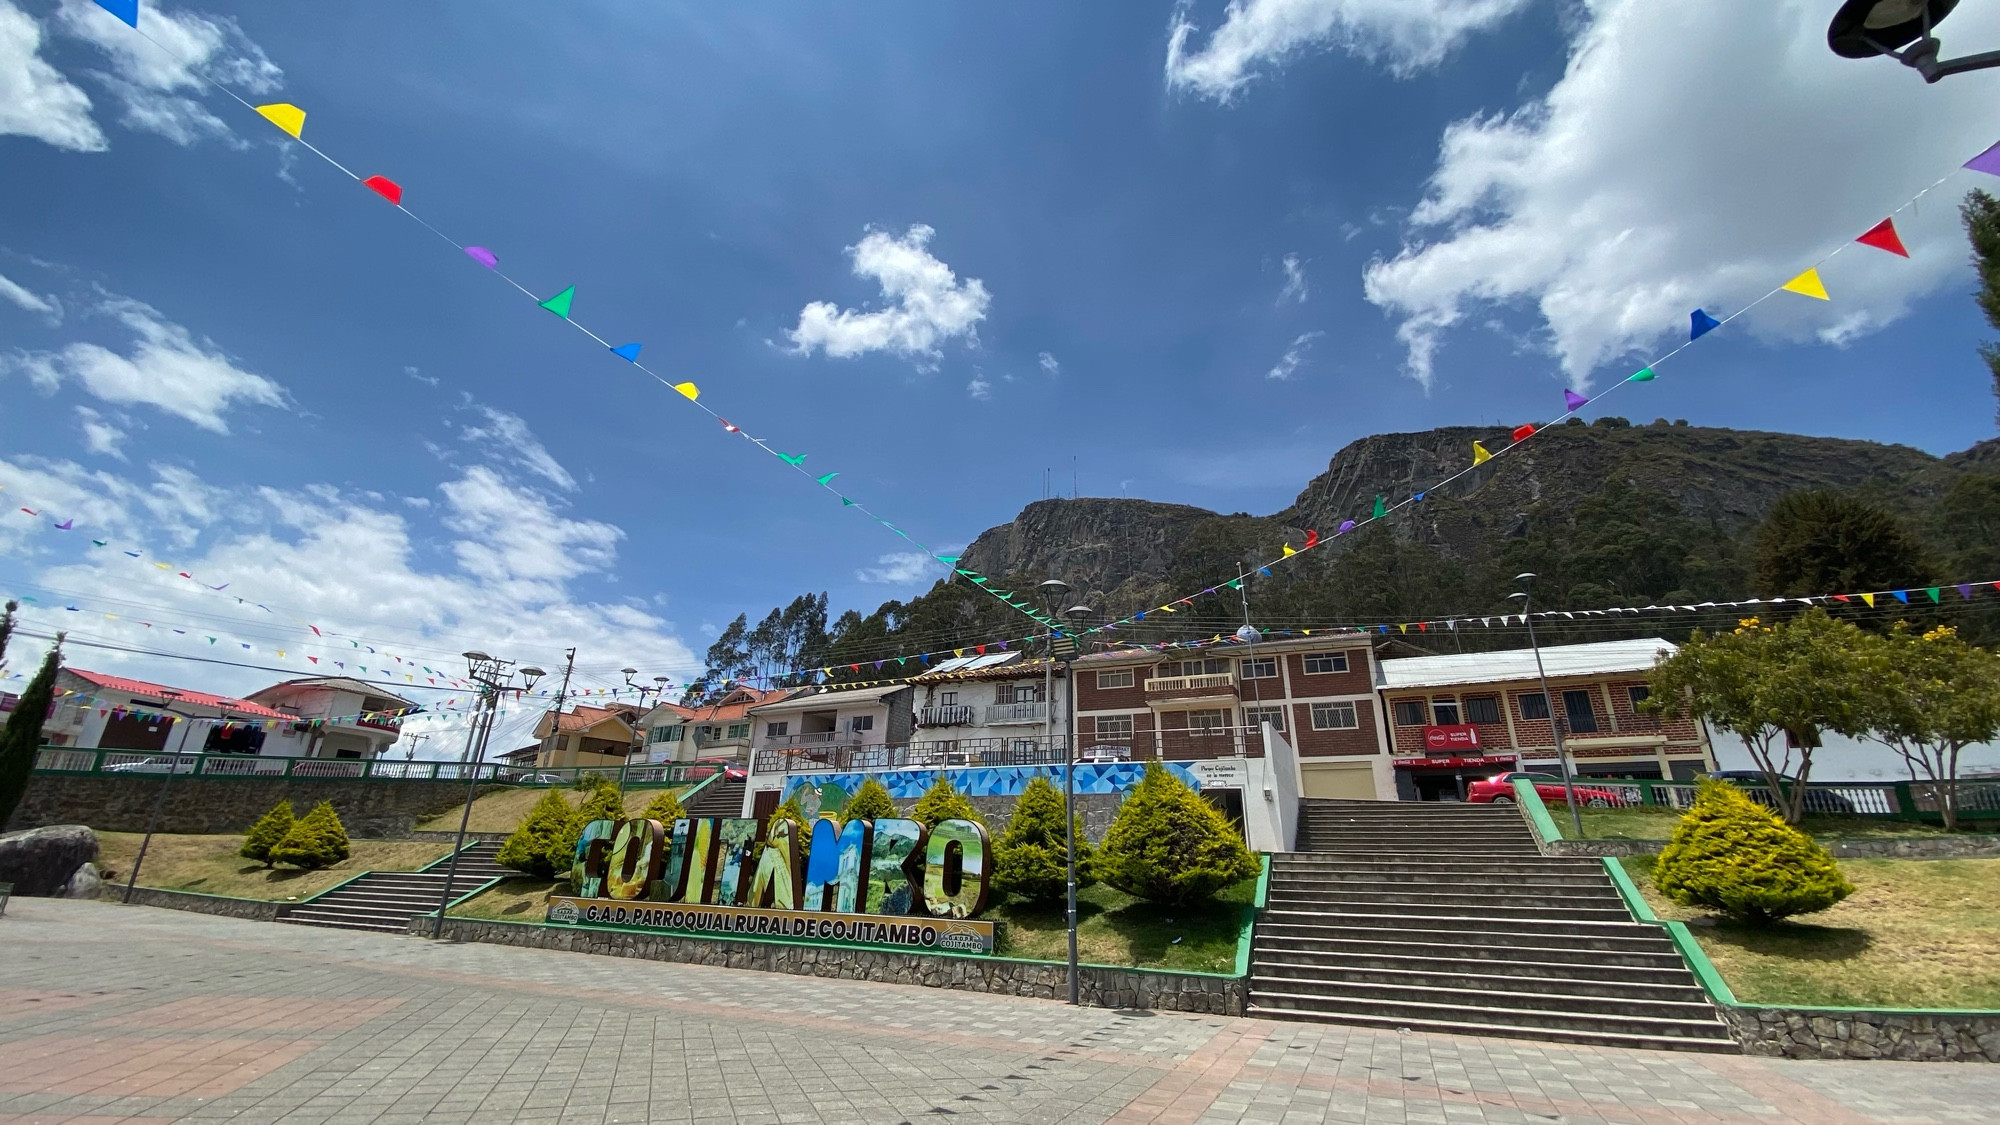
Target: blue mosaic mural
992 781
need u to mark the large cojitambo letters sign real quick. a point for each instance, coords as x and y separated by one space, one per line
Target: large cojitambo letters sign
882 882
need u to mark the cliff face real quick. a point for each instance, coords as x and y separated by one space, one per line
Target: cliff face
1726 477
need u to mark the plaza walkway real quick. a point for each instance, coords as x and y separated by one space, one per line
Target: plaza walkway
142 1016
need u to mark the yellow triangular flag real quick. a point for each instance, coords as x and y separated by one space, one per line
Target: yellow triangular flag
1168 609
1808 284
692 392
285 116
1288 551
1870 599
1479 454
1403 628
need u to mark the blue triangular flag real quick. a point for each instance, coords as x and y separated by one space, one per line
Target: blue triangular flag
627 352
1902 596
126 10
1701 324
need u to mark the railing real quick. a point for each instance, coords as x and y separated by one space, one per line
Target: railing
947 715
1017 713
1181 684
957 752
814 739
1903 800
1180 744
142 763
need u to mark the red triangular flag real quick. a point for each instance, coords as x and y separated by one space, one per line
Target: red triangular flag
1523 433
1882 236
386 188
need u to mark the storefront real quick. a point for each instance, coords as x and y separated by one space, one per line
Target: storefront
1442 777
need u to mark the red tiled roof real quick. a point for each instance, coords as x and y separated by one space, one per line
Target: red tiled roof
197 698
744 699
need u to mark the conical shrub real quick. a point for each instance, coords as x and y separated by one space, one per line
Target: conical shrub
870 802
1731 855
527 850
1167 845
942 802
665 807
268 832
604 803
316 840
1031 858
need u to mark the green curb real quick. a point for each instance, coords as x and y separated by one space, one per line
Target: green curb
1538 813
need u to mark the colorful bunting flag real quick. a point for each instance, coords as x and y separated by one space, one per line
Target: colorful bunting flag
1479 454
1345 527
1987 162
627 352
386 188
1312 539
1643 375
559 304
693 393
1381 509
1965 590
828 478
483 256
1807 284
1523 433
1933 593
1288 551
1902 596
1573 402
125 10
1869 598
1882 236
285 116
791 460
1701 325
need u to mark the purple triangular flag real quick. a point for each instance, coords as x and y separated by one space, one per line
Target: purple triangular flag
1573 402
1965 590
1987 162
483 256
1345 527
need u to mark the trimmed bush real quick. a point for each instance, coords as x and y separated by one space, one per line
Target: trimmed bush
604 803
316 840
870 802
268 832
942 802
1030 859
527 850
1732 855
1167 845
665 808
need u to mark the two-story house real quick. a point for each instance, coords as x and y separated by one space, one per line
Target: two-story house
588 735
345 718
997 709
720 729
832 728
315 717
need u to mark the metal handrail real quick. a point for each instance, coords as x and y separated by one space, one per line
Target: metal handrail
87 761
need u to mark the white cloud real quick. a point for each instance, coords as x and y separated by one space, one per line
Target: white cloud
903 568
48 307
979 389
1295 280
101 434
35 100
419 376
1693 154
1405 35
510 435
926 304
1293 357
152 84
167 368
1048 364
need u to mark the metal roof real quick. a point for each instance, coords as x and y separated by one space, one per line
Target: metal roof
813 701
1596 658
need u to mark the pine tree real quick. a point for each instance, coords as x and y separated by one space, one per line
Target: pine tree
942 802
316 840
1981 213
527 850
1821 542
269 831
665 807
1031 859
1732 855
1168 845
603 803
21 738
870 802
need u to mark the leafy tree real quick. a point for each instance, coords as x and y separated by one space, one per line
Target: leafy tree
7 627
1823 542
528 849
21 738
1981 213
269 831
870 802
1167 845
665 807
1775 687
604 803
1933 696
1031 858
942 802
316 840
1732 855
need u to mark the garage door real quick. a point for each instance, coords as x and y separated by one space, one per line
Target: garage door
1353 781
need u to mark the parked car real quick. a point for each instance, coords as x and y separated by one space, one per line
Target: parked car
542 779
732 770
1817 800
153 765
1105 753
1499 790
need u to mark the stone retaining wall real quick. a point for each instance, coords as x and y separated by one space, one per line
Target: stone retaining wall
1097 986
368 807
256 910
1904 847
1911 1036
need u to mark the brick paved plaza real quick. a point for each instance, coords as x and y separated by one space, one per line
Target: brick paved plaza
143 1016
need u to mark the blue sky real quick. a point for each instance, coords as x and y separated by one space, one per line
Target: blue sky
1197 249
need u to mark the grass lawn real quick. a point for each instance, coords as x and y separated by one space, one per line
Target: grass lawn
210 865
503 811
1658 824
1113 928
1914 934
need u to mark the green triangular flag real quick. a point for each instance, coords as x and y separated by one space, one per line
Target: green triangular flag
846 503
947 559
1236 584
1933 592
1643 375
828 477
1380 509
559 304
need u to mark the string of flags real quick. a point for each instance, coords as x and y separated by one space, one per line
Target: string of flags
1882 236
291 119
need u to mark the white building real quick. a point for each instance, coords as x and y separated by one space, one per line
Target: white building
997 709
347 718
313 718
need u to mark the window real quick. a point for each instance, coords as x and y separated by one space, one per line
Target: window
1256 717
1261 668
1444 711
1638 693
1340 716
777 730
1120 678
1210 721
1114 726
739 730
1409 712
1576 711
1534 705
1017 693
947 699
1321 663
666 734
707 734
858 723
1025 746
1173 668
1482 708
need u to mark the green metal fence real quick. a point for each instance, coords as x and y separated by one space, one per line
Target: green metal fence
126 763
1899 800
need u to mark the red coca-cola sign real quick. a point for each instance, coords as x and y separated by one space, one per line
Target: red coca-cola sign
1457 736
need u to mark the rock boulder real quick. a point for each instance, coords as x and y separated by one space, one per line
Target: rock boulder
42 861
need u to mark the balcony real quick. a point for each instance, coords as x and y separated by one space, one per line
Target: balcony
917 755
1001 713
948 715
1221 685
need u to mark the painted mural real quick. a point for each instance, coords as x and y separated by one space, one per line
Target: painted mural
828 792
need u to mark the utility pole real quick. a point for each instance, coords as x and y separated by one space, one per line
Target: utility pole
562 693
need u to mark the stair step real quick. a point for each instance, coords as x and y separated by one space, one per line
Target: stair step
1372 943
1391 929
1430 959
1450 905
1720 1043
1445 921
1473 1016
1621 998
1503 894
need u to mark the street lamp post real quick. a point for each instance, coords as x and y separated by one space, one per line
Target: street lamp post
492 676
159 798
1065 646
1900 29
1549 701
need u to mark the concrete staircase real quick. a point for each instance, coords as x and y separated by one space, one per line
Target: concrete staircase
721 797
1446 918
385 901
